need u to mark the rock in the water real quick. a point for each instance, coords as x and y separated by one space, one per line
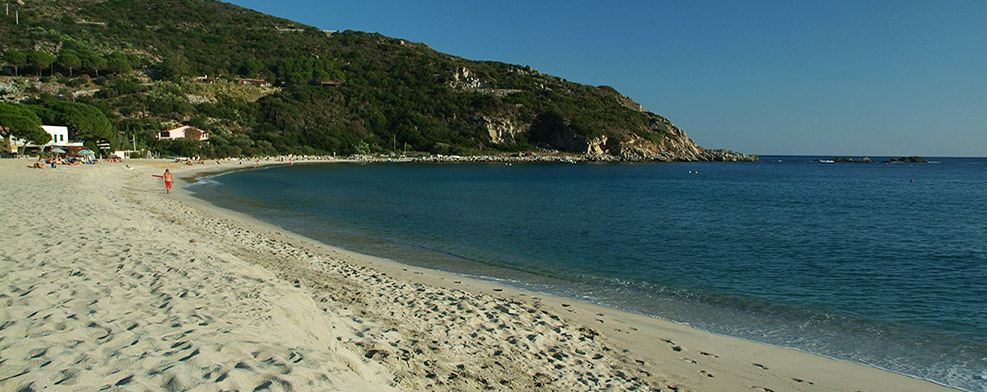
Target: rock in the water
912 159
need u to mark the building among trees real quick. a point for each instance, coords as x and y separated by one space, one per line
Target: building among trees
59 138
183 132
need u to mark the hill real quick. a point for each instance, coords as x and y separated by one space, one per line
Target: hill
265 85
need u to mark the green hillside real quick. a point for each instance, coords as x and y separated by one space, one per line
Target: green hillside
148 65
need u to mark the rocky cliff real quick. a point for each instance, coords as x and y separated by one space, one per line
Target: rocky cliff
661 140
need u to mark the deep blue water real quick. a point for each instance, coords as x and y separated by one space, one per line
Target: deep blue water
879 264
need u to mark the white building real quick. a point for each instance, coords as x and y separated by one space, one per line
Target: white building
59 138
59 135
183 132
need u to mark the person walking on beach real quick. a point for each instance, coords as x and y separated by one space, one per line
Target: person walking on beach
167 179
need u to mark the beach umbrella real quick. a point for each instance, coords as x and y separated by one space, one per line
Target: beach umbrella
57 150
86 152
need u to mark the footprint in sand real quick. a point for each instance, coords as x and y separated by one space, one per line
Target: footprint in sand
66 376
124 381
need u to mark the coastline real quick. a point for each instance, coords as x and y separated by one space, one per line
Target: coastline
376 323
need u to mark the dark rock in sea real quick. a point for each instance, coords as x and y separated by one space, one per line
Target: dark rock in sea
909 159
853 160
723 155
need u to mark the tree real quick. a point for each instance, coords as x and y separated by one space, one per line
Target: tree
172 68
92 61
18 121
118 63
69 59
362 148
40 60
15 58
251 68
321 76
86 121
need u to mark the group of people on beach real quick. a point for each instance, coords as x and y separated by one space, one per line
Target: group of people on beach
53 162
191 161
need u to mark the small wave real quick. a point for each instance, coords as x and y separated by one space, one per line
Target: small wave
205 181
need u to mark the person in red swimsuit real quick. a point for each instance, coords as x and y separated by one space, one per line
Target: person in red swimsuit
167 179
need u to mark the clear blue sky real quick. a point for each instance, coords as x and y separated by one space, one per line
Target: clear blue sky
830 77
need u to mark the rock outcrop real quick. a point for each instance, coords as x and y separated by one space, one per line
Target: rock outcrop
504 129
912 159
668 144
464 78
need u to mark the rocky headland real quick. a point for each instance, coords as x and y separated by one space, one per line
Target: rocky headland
657 141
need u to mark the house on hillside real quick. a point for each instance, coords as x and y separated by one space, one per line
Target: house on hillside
183 132
330 82
254 82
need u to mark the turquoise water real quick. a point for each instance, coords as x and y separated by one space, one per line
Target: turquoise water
879 264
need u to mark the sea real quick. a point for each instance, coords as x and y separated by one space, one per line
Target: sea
883 264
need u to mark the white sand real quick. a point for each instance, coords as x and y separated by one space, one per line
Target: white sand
107 282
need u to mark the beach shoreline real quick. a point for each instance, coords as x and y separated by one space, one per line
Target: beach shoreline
355 321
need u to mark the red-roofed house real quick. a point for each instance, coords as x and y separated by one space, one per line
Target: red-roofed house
183 132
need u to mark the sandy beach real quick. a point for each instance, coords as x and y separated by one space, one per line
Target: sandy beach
110 283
